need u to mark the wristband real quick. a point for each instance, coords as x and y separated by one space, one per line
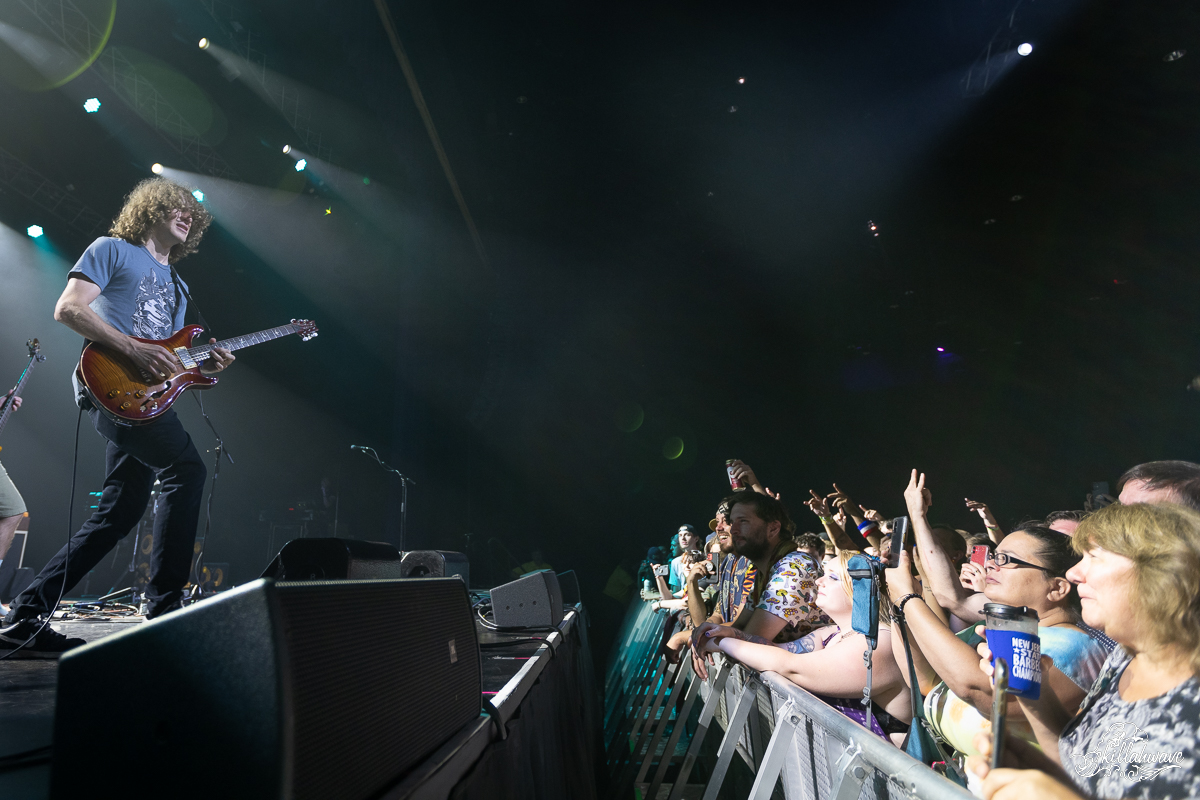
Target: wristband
825 520
866 525
903 600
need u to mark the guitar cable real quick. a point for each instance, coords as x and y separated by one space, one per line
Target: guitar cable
70 533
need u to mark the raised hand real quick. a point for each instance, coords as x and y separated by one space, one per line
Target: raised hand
742 471
917 497
817 505
985 513
872 514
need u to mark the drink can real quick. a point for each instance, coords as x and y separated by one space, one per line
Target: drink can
1012 634
734 483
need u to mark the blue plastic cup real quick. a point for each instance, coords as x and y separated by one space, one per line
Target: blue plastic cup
1012 634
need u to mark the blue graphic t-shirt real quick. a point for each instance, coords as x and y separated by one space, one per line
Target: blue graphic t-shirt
137 294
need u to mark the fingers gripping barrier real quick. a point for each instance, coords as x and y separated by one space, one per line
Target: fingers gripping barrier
783 734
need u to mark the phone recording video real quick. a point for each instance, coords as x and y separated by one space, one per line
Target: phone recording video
899 541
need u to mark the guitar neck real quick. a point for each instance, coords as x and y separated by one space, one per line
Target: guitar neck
10 402
203 351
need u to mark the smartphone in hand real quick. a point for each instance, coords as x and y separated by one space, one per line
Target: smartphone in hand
999 707
662 570
899 541
979 555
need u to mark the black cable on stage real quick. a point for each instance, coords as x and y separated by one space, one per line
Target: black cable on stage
70 532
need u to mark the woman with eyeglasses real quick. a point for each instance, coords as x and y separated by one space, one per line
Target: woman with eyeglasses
1135 735
1029 569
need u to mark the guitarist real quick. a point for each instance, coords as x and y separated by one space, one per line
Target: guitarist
12 505
122 287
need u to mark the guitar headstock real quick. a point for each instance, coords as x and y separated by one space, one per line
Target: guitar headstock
305 328
35 349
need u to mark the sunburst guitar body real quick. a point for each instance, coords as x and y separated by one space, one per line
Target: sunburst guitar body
124 391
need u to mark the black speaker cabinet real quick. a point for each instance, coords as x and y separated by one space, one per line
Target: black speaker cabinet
436 564
334 559
271 690
531 601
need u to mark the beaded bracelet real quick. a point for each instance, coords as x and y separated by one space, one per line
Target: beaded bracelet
900 605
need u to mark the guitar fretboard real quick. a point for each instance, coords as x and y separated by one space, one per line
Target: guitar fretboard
202 352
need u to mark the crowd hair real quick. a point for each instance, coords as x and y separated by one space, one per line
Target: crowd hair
149 203
767 508
1058 516
1163 542
811 540
1181 477
1056 554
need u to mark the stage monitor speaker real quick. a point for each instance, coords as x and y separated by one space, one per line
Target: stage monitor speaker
531 601
568 584
436 564
334 559
271 690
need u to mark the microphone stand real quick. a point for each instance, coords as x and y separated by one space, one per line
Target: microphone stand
220 450
404 482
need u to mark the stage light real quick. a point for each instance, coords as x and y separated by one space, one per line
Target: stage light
366 181
741 80
156 169
1024 49
204 44
300 165
941 349
287 148
91 105
199 195
35 231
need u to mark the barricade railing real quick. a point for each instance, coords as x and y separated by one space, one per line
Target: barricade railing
781 732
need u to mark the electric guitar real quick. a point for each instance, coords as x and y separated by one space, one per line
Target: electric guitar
10 402
130 395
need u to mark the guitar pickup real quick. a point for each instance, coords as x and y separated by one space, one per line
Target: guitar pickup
187 361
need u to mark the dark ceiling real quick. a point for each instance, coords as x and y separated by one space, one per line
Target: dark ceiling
676 257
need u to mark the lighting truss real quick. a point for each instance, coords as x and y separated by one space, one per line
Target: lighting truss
283 95
40 190
76 32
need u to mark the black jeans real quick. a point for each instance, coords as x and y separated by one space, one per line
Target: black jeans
135 456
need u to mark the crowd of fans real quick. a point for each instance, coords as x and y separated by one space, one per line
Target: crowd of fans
1116 591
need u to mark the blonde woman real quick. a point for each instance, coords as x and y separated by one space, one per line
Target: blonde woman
1135 733
830 664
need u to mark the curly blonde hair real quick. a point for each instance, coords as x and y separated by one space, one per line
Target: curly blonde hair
1163 542
149 204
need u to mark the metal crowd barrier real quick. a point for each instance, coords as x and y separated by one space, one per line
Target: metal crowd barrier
783 733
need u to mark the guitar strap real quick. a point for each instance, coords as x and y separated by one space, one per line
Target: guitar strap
179 287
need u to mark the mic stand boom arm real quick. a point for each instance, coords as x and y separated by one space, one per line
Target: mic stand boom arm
404 482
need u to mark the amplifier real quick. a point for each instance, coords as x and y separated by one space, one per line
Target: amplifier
436 564
334 559
273 690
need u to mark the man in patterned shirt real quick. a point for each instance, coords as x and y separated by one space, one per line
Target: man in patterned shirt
781 606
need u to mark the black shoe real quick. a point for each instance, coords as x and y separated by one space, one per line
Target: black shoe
48 643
